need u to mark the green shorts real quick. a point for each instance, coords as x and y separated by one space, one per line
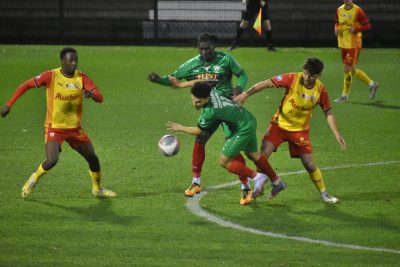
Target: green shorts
242 140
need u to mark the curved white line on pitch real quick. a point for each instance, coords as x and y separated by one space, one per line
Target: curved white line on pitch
194 207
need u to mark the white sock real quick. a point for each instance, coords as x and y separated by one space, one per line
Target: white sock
196 180
276 182
246 186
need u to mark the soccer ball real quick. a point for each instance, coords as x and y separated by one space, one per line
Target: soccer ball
169 145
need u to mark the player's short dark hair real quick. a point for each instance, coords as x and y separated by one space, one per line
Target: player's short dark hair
66 50
207 37
313 65
201 89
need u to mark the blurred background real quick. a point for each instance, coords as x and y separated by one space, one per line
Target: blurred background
305 23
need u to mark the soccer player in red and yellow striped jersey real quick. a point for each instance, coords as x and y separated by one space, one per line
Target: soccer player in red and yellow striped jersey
350 22
65 89
290 123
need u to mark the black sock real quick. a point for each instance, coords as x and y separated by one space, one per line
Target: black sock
268 37
239 33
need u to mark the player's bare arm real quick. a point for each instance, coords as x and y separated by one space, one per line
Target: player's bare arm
330 118
176 127
253 90
175 83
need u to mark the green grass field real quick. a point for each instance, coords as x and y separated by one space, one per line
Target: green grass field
149 224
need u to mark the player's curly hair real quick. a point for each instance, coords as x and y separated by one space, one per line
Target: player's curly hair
201 89
207 37
313 65
66 50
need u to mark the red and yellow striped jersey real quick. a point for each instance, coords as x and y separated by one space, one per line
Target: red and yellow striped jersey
294 113
345 18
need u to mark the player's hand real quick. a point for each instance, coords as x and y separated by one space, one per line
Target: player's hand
5 110
153 77
173 126
341 142
237 90
239 99
87 94
262 3
174 82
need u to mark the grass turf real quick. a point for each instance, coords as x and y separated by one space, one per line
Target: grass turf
149 223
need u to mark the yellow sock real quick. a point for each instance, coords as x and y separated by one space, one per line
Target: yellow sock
316 178
347 83
96 177
362 76
39 173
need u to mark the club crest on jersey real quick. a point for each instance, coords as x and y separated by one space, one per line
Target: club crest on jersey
308 97
76 85
278 78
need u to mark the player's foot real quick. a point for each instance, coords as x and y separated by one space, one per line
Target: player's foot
341 99
271 48
373 89
276 189
259 182
193 190
233 46
328 198
28 186
246 198
104 193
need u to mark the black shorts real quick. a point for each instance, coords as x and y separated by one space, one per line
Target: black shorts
252 9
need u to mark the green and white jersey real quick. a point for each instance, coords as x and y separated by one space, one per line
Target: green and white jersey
219 71
221 109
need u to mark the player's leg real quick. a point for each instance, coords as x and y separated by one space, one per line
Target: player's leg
198 157
246 194
363 77
87 152
239 32
316 177
239 168
243 141
52 148
267 26
270 143
349 58
248 15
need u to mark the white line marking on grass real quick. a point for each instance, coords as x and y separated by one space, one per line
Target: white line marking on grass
194 207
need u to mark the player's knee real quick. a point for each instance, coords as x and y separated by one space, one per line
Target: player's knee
203 137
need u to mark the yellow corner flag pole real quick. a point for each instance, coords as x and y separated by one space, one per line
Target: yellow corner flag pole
257 23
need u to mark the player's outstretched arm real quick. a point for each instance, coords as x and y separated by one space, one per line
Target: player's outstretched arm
176 127
330 118
5 110
240 99
175 83
155 78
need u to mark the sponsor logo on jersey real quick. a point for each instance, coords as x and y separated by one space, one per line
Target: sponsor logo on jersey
66 97
295 105
208 76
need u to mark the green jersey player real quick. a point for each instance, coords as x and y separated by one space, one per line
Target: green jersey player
217 109
218 69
